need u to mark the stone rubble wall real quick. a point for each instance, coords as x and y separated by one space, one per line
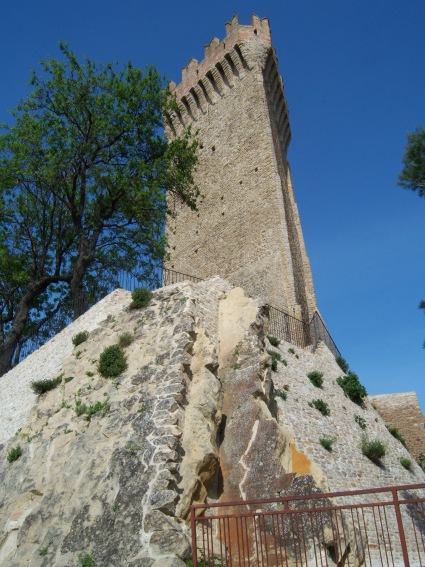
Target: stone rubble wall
196 417
16 397
403 412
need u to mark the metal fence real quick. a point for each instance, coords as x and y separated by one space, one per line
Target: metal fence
382 527
282 325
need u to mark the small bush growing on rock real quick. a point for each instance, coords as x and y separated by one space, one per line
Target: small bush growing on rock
14 454
352 387
89 411
291 350
316 378
406 463
321 406
275 359
125 340
274 341
86 560
112 362
141 297
421 461
396 433
373 449
327 443
80 338
343 364
281 393
41 386
360 421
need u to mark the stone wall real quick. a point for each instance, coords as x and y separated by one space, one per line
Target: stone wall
197 416
247 228
403 412
16 397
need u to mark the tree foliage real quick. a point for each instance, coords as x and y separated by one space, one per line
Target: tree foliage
84 173
413 173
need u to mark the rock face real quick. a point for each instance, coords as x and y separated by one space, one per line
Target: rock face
109 467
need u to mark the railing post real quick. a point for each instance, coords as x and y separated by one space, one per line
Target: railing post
193 528
400 528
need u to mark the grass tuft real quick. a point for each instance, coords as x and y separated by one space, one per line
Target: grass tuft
316 378
141 297
14 454
125 340
321 406
327 443
274 341
41 386
80 338
112 362
373 449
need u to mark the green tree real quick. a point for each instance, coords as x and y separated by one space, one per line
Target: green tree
413 173
84 174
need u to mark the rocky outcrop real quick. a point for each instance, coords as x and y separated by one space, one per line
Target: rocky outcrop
110 467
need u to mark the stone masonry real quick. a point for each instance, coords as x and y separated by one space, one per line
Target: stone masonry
403 411
247 228
197 416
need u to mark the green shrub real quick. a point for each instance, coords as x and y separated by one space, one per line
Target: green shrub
321 406
125 340
89 411
275 359
421 461
406 463
327 443
14 454
44 550
316 378
281 393
68 379
352 387
360 421
291 350
86 560
41 386
343 364
373 450
141 297
274 341
80 338
112 362
396 433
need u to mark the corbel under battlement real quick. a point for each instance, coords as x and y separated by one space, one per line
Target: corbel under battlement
204 83
226 62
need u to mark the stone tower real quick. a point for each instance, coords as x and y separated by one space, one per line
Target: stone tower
247 228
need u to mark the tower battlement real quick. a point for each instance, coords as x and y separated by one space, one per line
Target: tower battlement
217 51
227 62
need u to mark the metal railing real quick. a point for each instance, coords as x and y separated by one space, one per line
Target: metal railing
382 527
282 325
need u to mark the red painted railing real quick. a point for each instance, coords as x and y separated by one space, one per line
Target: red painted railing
374 527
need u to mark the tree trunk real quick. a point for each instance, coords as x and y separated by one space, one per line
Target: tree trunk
86 256
8 348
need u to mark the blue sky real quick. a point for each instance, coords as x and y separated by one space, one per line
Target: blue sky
354 78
